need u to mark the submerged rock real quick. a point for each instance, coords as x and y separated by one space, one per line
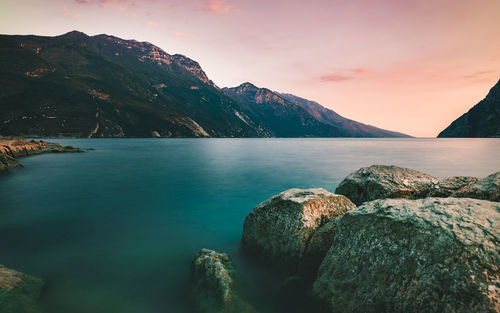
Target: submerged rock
217 286
18 292
427 255
449 186
487 188
6 162
278 230
386 181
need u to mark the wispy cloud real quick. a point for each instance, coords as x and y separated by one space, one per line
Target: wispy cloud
68 12
344 75
152 24
218 6
479 74
335 78
178 34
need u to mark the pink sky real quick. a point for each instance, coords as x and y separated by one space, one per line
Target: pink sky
408 66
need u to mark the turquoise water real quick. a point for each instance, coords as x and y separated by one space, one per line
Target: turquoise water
114 229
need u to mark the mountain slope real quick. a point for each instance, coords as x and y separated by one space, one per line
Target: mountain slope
482 120
287 115
103 86
282 117
326 116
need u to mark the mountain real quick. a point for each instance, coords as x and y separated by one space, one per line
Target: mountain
329 117
76 85
287 115
482 120
282 117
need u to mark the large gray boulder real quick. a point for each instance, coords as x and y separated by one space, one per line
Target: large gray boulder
487 188
386 181
427 255
18 292
449 186
278 230
217 286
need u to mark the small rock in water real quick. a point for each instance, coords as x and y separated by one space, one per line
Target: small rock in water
19 292
217 286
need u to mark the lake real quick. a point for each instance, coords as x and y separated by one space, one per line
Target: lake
115 229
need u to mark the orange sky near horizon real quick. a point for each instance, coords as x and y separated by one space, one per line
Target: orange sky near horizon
409 66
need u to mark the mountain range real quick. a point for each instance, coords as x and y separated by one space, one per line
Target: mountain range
76 85
482 120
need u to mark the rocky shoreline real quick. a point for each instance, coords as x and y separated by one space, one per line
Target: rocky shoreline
391 239
13 147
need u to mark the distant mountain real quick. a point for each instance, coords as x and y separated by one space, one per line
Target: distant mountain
329 117
76 85
287 115
482 120
282 117
103 86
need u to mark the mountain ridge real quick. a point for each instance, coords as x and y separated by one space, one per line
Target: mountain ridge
75 85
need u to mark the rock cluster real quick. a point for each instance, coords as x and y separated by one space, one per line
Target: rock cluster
415 244
383 181
18 292
279 230
216 284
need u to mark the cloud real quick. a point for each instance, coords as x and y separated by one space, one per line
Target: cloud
68 12
480 74
335 78
218 6
152 24
178 34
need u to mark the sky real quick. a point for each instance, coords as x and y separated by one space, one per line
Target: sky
411 66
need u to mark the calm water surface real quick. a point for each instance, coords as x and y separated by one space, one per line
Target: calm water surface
114 229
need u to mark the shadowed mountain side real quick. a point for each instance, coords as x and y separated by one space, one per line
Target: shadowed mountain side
482 120
329 117
75 85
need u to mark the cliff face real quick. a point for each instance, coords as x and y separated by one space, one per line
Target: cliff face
483 120
76 85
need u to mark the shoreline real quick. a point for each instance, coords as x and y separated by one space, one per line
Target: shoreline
11 148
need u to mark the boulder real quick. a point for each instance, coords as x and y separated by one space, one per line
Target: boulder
385 181
18 292
426 255
217 286
487 189
449 186
278 230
